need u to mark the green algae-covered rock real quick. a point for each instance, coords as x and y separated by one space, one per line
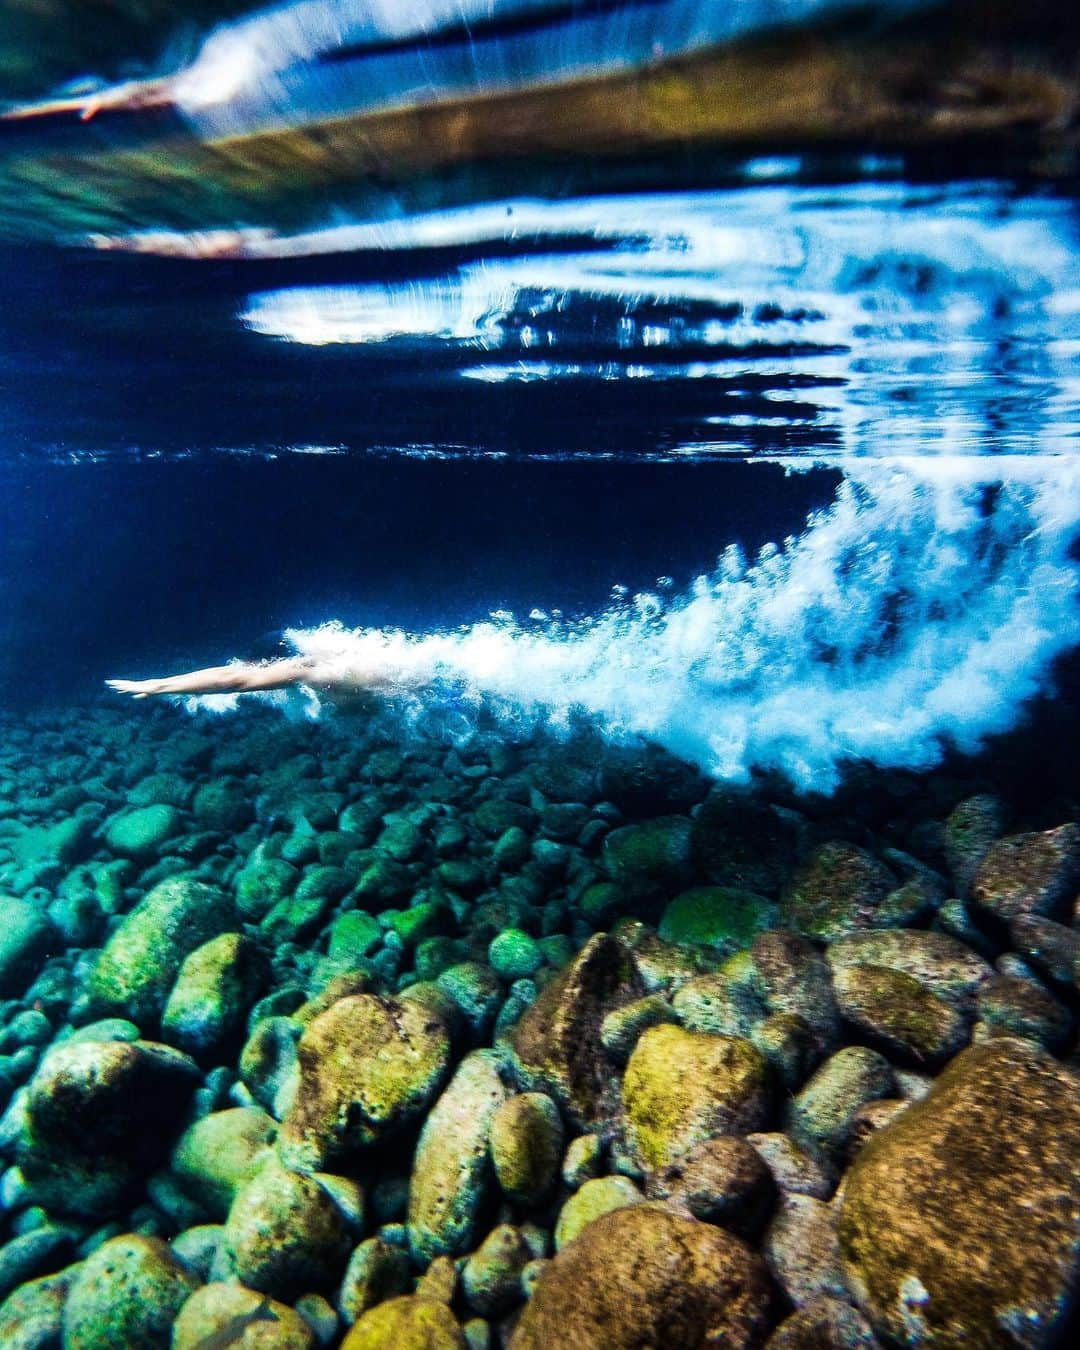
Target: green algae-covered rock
270 1064
452 1172
514 955
98 1116
653 857
491 1277
221 1310
970 830
717 1004
594 1198
206 1010
140 833
719 917
352 937
526 1146
377 1270
556 1045
137 968
645 1276
31 1318
407 1323
622 1027
681 1087
790 975
1029 874
27 937
897 1013
368 1065
263 884
498 814
285 1234
126 1293
838 890
220 1153
476 991
959 1221
821 1117
223 804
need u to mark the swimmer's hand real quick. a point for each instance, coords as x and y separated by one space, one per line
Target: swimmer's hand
138 688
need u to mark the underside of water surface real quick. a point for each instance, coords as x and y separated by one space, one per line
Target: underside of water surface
577 504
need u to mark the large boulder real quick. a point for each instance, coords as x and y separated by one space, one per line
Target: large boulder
557 1046
99 1115
135 972
682 1087
941 964
1029 874
368 1065
645 1276
960 1221
838 890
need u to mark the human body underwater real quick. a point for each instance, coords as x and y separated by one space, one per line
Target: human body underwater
629 898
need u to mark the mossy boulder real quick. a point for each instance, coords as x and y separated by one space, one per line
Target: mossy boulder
899 1015
368 1065
221 1314
491 1277
556 1045
645 1276
838 890
285 1234
139 964
723 919
128 1292
31 1317
262 884
100 1115
377 1270
223 804
653 858
141 831
407 1323
515 955
220 1153
1029 874
452 1172
681 1087
971 828
958 1225
526 1146
206 1010
941 964
599 1196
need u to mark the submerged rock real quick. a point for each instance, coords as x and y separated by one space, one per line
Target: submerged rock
941 964
741 841
897 1013
557 1046
221 1314
681 1087
140 962
98 1116
214 988
723 1181
140 832
721 918
838 890
407 1323
128 1292
653 857
221 1153
821 1118
526 1146
32 1317
368 1065
27 937
960 1221
645 1276
1029 874
599 1196
970 830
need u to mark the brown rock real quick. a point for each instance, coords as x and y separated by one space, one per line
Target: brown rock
723 1181
645 1276
960 1221
1029 874
824 1324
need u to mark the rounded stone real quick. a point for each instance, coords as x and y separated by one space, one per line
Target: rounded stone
652 857
514 955
368 1065
230 1315
899 1014
220 1153
824 1324
526 1146
680 1087
285 1234
722 918
31 1318
205 1012
946 967
959 1221
838 890
1011 1006
645 1276
452 1171
139 833
407 1323
100 1114
594 1198
723 1181
821 1117
128 1292
377 1270
491 1277
1029 874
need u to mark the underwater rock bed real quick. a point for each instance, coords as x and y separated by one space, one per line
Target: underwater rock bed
332 1035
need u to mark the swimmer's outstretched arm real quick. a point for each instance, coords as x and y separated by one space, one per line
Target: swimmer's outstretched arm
240 678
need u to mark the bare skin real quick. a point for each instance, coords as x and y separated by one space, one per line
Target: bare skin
251 677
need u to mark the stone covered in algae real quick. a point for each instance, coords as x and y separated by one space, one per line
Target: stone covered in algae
220 1153
526 1146
723 918
367 1066
32 1316
407 1323
128 1292
221 1310
960 1221
137 968
838 890
946 967
596 1197
646 1276
1029 874
215 986
98 1115
557 1045
899 1014
452 1171
682 1086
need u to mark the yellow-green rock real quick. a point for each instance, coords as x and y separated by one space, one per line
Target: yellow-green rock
220 1153
407 1323
128 1292
230 1315
526 1146
594 1198
681 1087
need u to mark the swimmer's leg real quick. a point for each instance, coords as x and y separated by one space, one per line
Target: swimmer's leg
240 678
